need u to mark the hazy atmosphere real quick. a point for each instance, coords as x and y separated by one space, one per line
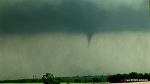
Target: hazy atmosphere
73 37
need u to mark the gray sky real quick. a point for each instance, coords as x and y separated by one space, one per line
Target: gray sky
73 37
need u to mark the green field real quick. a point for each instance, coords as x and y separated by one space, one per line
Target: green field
61 83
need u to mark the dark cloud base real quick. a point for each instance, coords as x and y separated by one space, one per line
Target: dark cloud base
28 17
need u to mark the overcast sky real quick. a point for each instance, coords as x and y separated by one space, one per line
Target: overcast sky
73 37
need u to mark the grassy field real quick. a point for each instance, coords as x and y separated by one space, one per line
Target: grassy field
61 83
85 83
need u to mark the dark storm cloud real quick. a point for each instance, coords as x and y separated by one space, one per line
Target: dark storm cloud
69 16
24 17
67 54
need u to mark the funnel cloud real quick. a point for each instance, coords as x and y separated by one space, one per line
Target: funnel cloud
80 16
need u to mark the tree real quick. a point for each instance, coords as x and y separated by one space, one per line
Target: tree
48 78
133 75
96 80
140 75
146 76
77 81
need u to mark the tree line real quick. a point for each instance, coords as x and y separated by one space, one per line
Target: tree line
48 78
74 79
22 81
116 78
